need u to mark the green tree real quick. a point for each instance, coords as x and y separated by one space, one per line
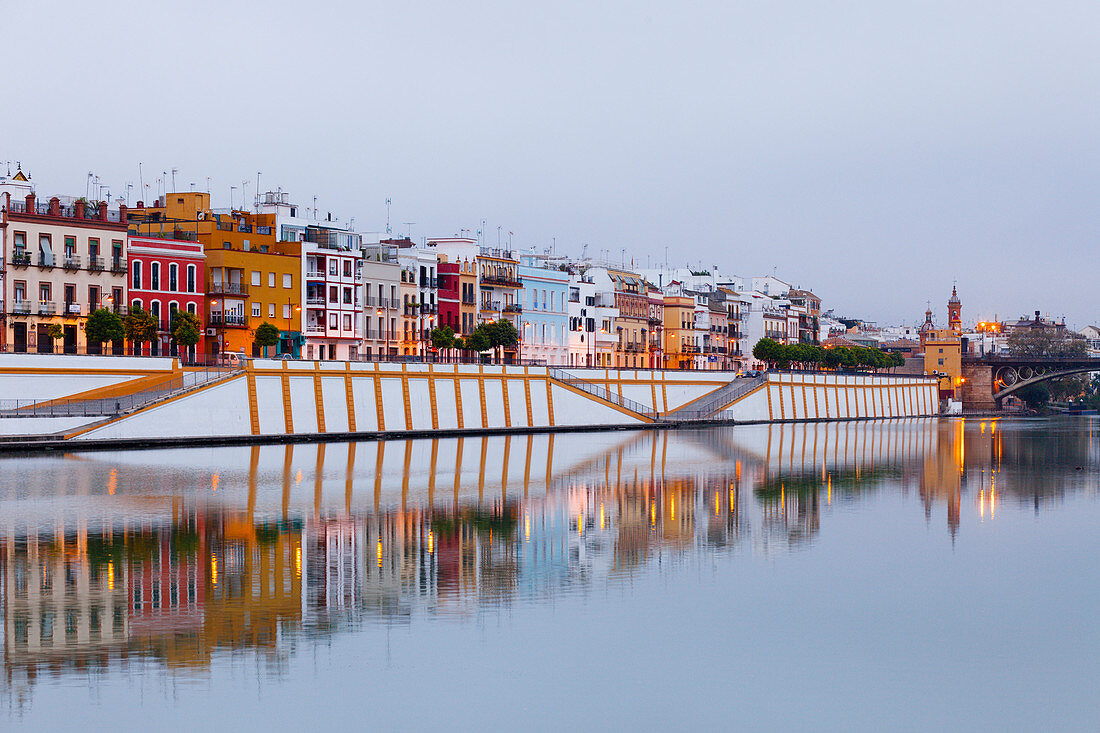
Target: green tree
102 326
1034 395
140 326
767 350
502 334
55 331
266 335
185 328
478 340
443 338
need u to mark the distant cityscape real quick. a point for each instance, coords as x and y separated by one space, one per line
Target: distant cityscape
335 294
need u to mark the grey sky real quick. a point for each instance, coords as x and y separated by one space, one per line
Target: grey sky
870 151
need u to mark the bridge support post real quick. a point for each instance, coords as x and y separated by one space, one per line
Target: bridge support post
977 389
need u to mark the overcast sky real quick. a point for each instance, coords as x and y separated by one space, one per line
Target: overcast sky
871 152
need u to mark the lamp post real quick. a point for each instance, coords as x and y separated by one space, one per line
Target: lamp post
290 312
217 328
385 334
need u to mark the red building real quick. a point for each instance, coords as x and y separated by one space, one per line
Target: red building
448 296
167 275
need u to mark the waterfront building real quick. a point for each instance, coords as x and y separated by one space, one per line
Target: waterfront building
544 314
500 288
591 320
329 327
250 274
64 260
680 347
168 275
655 320
381 281
631 323
809 314
457 295
419 294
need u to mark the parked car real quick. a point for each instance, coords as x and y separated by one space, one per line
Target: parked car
231 358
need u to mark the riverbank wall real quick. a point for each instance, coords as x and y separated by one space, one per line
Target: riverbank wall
279 400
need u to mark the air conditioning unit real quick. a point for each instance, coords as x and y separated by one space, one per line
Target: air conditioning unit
211 332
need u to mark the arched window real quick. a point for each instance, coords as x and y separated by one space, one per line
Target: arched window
154 276
190 278
137 275
173 277
135 303
190 307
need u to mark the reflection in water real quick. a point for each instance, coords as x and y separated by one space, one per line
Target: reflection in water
178 556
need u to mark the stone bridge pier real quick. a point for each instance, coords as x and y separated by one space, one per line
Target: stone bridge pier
977 391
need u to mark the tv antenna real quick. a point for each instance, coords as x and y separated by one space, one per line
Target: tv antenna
388 230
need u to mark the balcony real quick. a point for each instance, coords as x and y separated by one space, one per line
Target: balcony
227 289
47 308
71 309
118 265
506 281
22 307
429 309
45 260
315 274
230 320
634 348
316 328
72 262
95 264
20 258
469 300
315 300
410 310
513 308
491 306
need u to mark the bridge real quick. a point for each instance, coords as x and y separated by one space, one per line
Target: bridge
989 379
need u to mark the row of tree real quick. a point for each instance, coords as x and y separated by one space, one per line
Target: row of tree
493 335
809 356
139 327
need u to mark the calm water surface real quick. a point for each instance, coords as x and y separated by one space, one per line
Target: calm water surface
900 575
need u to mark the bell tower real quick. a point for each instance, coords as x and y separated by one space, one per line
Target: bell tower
954 312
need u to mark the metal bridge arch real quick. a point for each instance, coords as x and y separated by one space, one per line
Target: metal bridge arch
1011 378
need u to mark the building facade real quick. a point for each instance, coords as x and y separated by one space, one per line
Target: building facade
168 275
63 262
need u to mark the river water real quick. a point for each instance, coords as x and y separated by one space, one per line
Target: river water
901 575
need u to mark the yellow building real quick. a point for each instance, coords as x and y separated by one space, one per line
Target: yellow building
943 354
245 289
679 332
251 278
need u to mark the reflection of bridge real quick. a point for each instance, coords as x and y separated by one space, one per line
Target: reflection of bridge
990 379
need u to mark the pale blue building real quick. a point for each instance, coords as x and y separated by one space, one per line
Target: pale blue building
544 320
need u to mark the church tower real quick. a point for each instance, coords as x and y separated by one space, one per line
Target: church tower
926 327
954 312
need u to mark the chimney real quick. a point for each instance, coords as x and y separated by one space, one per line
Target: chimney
78 209
30 203
55 206
102 211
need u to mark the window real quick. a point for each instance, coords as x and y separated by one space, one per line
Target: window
45 250
20 241
286 311
137 275
255 310
271 279
190 307
270 310
288 281
70 247
347 323
190 278
347 268
941 362
173 277
347 296
256 278
333 294
154 308
333 266
154 276
44 292
333 321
